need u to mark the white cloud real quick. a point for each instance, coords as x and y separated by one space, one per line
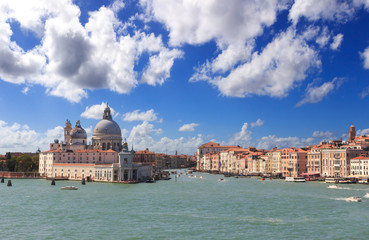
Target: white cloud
258 123
365 57
233 25
316 94
321 134
72 58
268 142
20 138
25 90
190 127
362 132
315 10
337 40
364 93
197 22
323 38
242 138
159 68
96 111
142 137
274 72
147 116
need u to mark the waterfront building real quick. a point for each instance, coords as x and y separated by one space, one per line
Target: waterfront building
293 162
314 161
336 162
314 158
231 160
268 162
209 147
359 166
276 161
106 159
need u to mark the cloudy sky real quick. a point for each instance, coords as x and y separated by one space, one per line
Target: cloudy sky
180 73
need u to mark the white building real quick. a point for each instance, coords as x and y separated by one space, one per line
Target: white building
359 166
107 159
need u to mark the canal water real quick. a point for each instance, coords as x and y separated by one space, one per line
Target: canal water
200 207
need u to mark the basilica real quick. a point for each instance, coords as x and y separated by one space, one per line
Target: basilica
107 158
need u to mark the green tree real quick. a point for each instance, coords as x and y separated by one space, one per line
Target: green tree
24 163
35 161
11 164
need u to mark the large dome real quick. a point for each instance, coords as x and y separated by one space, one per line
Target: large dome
107 127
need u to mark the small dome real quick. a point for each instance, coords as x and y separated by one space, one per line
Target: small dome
78 132
107 127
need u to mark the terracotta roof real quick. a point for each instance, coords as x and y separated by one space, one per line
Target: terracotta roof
146 151
361 158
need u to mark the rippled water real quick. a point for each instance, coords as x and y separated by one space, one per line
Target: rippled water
191 208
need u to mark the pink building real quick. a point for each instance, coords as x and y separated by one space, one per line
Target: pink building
293 162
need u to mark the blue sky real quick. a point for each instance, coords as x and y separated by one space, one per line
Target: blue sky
181 73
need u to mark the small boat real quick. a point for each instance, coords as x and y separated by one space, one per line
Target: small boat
262 178
353 199
69 188
150 181
221 179
202 177
333 186
366 195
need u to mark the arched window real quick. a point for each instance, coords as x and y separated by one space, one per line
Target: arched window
103 146
108 146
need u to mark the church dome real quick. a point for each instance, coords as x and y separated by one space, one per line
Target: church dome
107 127
78 131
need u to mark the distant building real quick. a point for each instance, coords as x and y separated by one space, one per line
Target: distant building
209 147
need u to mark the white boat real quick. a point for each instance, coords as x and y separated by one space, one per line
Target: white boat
353 199
289 179
331 180
69 188
295 179
333 186
300 179
366 195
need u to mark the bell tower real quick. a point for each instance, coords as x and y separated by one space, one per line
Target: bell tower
352 133
67 130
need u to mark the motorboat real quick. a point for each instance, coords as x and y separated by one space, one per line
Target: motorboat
69 188
333 186
353 199
295 179
221 179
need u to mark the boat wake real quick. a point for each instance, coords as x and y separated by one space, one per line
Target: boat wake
349 199
337 187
